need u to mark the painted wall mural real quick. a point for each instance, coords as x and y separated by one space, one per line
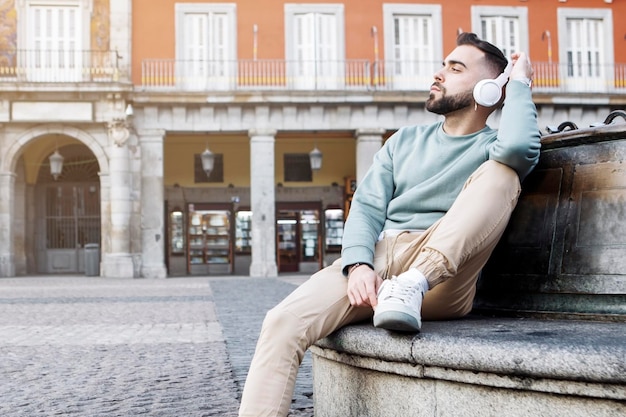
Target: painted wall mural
8 33
100 25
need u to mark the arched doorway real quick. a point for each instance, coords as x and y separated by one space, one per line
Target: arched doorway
68 211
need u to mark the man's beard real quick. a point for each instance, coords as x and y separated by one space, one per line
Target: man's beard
448 104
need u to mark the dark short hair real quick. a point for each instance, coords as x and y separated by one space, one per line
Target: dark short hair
493 54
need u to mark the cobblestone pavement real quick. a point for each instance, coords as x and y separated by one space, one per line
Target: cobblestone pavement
86 346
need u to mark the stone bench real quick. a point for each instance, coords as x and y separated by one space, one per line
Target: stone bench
548 333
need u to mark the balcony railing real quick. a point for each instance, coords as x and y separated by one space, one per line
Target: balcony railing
248 75
31 65
256 75
579 78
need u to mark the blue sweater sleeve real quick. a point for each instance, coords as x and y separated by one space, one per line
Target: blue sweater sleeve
369 209
518 143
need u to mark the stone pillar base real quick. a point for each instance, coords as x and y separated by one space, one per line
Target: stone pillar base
153 271
7 266
117 266
263 270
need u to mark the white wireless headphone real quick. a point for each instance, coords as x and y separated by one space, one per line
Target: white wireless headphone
488 92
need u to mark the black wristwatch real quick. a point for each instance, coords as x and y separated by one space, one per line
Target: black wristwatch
356 265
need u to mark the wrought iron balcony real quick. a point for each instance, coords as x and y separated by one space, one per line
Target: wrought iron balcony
62 66
51 66
250 75
554 77
168 74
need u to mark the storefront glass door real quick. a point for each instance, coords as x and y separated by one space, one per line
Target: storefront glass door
288 242
309 240
298 237
209 239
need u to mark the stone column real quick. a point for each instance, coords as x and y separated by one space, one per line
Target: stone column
368 142
7 190
263 203
21 223
152 204
119 263
105 216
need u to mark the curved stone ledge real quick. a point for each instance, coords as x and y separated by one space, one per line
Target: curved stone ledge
474 367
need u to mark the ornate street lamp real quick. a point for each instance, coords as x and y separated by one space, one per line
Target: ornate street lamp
56 164
315 157
208 160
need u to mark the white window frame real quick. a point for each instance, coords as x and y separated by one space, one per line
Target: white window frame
25 41
298 75
518 12
603 83
220 75
405 75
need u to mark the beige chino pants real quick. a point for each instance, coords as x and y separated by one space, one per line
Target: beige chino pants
450 254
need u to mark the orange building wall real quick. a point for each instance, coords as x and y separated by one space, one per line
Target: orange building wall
154 26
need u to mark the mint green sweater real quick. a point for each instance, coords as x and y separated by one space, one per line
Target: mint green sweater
418 173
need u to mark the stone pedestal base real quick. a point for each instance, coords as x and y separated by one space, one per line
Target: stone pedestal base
117 266
7 266
263 270
153 271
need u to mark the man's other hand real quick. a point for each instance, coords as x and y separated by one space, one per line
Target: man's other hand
522 67
363 284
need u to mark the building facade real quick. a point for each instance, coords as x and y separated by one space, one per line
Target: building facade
134 94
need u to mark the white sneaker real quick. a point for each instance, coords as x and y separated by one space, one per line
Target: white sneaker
400 302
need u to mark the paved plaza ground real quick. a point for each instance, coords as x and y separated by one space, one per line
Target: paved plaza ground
90 346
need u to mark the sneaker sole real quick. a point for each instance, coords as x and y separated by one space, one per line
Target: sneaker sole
396 320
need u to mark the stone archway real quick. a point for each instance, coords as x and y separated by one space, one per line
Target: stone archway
9 161
68 212
18 211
